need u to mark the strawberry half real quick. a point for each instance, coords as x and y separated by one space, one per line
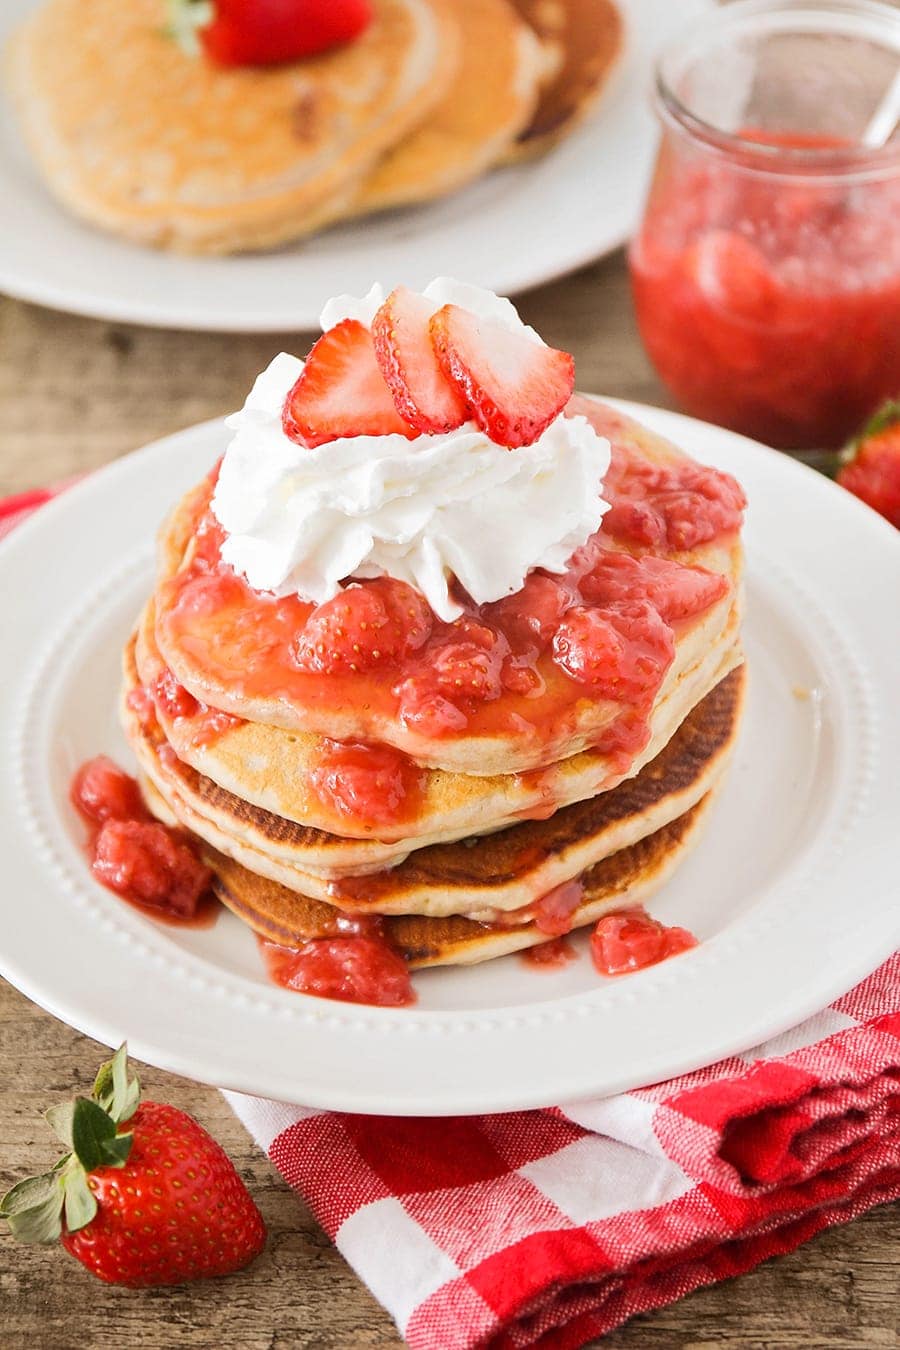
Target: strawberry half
513 386
871 469
144 1197
423 395
341 391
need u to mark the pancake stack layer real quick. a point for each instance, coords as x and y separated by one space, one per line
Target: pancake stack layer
137 136
501 828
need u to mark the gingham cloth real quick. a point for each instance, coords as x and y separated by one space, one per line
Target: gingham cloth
548 1228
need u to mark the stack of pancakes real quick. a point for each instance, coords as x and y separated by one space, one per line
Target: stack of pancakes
494 831
163 147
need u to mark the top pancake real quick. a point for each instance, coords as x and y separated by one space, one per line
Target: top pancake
585 40
169 149
535 741
490 101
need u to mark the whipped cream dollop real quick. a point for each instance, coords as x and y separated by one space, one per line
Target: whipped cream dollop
302 521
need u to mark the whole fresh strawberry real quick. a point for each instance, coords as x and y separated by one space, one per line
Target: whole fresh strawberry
144 1196
266 32
870 466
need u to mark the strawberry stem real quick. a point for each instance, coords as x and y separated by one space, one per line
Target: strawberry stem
34 1208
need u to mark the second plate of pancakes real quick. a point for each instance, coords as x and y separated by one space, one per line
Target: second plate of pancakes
788 884
554 205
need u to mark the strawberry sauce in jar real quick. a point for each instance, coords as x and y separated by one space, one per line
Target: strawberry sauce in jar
766 272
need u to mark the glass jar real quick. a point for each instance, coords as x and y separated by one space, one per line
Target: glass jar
766 271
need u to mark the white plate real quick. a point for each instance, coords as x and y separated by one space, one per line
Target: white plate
512 229
792 887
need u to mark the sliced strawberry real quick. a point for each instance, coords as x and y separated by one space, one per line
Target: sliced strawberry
341 391
423 395
513 386
366 625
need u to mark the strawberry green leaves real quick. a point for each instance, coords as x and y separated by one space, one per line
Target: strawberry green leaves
88 1127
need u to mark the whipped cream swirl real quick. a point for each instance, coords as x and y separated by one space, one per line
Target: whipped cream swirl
302 521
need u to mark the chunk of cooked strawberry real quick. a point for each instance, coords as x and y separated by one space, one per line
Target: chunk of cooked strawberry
532 613
423 395
872 468
620 652
102 791
514 387
371 783
370 623
422 708
341 391
677 591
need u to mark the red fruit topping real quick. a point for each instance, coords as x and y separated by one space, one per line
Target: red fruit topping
268 32
621 652
873 472
550 955
513 386
102 791
352 969
426 711
341 391
554 912
369 624
172 698
630 940
365 782
679 505
466 670
533 613
422 393
677 591
144 1196
150 864
732 274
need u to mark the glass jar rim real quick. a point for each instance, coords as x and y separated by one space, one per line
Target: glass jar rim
769 157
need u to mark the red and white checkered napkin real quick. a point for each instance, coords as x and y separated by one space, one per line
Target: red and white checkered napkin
548 1228
551 1227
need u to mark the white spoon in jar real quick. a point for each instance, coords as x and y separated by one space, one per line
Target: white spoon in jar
883 122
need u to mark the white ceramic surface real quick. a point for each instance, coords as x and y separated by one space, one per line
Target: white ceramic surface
513 228
792 888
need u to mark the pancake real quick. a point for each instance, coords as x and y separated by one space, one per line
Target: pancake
168 149
585 39
270 769
477 752
628 877
478 876
490 101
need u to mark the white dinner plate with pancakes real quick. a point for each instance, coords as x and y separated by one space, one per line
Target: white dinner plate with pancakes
515 227
791 888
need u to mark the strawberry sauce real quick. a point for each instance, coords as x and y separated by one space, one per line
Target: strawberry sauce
629 940
355 967
153 867
770 302
550 955
523 666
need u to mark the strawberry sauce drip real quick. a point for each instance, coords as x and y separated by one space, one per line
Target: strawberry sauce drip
522 666
150 865
629 939
204 724
550 955
357 966
555 911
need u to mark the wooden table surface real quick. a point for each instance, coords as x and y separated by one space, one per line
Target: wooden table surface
75 393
